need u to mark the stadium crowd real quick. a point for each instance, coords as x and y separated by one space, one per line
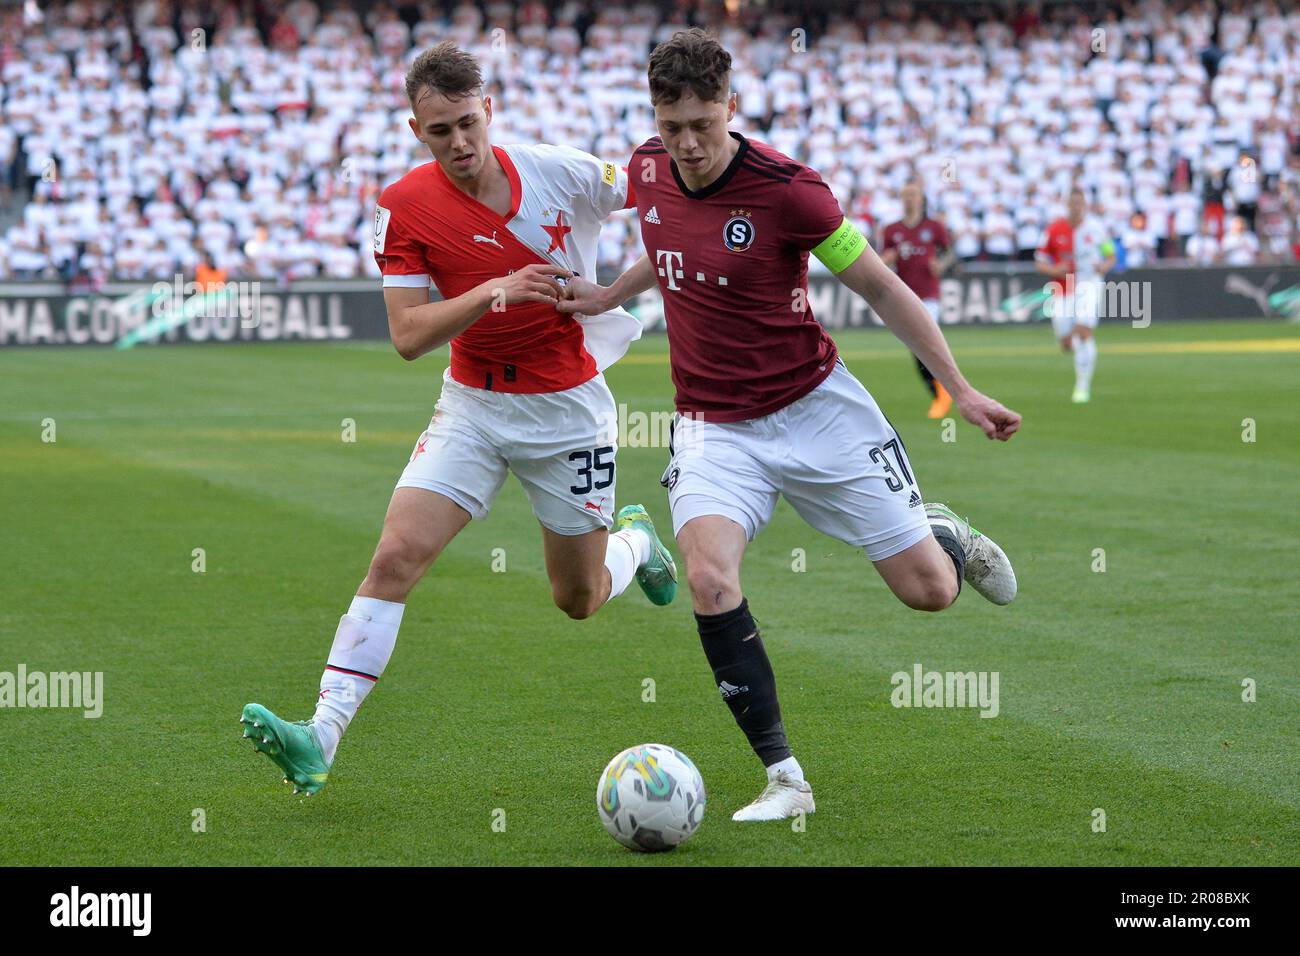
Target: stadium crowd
251 138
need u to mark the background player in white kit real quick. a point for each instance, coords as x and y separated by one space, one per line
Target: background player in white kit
1077 252
497 229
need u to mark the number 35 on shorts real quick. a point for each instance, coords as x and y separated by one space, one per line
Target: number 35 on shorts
595 469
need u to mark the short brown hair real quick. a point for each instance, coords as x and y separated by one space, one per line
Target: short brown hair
445 69
691 60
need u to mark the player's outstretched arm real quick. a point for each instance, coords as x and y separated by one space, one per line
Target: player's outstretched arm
588 298
418 326
905 316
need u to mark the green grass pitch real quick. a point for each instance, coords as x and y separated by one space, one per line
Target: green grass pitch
1120 690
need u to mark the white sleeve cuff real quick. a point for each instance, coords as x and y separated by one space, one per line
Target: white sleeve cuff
419 281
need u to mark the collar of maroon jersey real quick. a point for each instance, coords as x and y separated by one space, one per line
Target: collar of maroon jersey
516 188
718 184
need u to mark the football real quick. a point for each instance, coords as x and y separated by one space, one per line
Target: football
651 798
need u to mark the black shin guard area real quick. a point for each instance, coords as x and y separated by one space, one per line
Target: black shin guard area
926 376
745 679
948 541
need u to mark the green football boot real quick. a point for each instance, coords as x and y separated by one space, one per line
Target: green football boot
658 576
291 745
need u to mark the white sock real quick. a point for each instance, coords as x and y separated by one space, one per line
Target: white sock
788 766
627 550
362 646
1085 361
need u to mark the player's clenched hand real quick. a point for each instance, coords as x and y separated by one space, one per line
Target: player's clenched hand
533 283
585 297
994 418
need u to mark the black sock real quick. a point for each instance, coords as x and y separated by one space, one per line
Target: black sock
948 541
926 376
745 679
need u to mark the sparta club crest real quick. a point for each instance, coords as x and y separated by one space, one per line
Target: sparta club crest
738 233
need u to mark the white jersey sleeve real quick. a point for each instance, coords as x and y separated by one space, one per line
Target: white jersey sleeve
1092 244
603 184
599 186
567 194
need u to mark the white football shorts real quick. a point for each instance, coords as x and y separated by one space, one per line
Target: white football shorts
1081 308
832 454
560 445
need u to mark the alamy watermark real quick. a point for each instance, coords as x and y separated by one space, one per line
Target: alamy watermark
73 690
631 428
180 300
75 908
922 688
1103 300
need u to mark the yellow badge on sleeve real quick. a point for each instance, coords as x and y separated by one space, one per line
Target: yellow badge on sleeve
610 175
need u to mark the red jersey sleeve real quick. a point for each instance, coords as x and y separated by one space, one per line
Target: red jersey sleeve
811 211
400 259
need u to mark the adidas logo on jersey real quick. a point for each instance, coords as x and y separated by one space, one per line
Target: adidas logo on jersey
914 501
652 217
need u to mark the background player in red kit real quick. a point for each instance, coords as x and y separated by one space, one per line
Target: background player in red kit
495 228
766 408
1076 252
917 248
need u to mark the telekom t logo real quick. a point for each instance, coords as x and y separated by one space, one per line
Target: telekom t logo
670 261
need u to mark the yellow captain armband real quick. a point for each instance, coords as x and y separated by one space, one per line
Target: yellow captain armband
842 247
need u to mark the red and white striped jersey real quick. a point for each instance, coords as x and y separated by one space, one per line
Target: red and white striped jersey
426 229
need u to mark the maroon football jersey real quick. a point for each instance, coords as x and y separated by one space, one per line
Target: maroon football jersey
917 246
732 264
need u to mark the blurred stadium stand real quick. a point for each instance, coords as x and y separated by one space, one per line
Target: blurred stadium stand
143 140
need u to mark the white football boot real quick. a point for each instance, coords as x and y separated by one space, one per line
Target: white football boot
988 570
783 797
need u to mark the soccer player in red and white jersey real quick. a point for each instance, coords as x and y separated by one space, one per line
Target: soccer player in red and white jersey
765 406
917 248
1077 252
497 230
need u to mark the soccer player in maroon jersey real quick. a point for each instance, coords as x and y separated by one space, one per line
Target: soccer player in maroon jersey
765 406
917 248
495 228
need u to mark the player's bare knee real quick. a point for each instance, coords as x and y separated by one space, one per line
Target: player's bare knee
709 583
943 593
930 592
926 600
579 603
397 562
